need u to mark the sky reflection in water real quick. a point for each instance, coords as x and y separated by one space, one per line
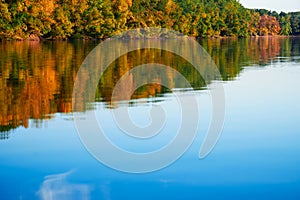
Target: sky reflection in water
257 156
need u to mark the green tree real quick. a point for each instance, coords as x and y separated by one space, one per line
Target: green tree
285 25
99 19
236 20
295 23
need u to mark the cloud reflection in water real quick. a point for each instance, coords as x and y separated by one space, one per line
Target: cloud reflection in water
56 186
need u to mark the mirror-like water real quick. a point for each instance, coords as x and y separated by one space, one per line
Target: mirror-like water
257 156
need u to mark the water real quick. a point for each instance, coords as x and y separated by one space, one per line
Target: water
257 155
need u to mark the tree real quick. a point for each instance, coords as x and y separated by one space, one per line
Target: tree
99 19
236 19
295 23
269 25
254 23
5 20
62 28
122 14
285 25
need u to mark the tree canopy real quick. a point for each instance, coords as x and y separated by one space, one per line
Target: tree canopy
62 19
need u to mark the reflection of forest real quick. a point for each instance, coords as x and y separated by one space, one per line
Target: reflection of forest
36 79
231 55
146 56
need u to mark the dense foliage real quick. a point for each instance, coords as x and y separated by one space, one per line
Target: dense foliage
61 19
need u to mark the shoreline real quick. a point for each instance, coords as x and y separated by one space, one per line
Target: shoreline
39 39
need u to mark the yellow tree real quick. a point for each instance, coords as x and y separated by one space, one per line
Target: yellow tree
122 14
253 27
5 20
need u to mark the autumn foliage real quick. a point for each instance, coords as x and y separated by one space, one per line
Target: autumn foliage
63 19
268 25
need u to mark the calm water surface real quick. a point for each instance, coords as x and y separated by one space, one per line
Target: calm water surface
257 156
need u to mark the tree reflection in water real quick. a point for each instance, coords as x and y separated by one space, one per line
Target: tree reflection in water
36 79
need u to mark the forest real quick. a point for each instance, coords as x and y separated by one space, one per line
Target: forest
100 19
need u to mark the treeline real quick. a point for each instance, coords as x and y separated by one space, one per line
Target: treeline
264 22
62 19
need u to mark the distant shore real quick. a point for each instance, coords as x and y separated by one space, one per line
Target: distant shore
34 38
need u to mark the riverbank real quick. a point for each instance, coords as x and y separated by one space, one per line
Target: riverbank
35 38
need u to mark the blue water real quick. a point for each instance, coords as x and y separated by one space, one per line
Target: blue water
256 157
